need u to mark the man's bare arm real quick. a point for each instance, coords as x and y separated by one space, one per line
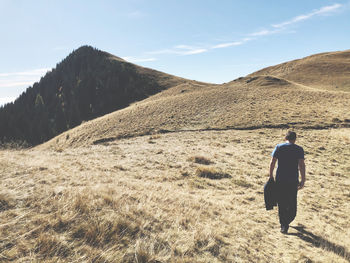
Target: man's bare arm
301 165
272 166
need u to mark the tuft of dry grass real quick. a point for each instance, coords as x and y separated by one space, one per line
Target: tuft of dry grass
49 246
6 202
242 183
211 173
100 232
200 160
81 204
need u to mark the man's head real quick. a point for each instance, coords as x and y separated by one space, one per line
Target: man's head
291 136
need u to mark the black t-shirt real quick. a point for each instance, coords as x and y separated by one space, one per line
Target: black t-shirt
288 155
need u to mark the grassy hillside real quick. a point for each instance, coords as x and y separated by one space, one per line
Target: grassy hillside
330 71
145 199
248 103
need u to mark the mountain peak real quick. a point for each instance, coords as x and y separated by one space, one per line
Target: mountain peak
87 50
85 85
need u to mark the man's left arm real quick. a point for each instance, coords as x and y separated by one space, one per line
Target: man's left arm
301 165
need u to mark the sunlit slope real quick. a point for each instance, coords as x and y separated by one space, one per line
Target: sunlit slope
329 71
248 103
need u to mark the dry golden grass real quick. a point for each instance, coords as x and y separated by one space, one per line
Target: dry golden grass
328 71
211 173
200 160
78 205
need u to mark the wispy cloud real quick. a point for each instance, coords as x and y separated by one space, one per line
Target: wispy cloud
279 28
23 78
34 72
264 32
138 60
11 83
322 11
182 50
229 44
193 51
232 44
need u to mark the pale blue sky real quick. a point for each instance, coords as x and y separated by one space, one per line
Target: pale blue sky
206 40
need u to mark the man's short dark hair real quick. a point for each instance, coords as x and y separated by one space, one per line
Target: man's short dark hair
291 136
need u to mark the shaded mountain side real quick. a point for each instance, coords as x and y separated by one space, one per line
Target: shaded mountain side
248 103
329 71
87 84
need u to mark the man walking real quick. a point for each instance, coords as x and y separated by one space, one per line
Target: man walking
290 161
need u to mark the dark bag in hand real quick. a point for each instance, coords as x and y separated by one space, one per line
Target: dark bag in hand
270 194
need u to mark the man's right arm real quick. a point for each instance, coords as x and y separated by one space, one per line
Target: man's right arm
301 164
272 166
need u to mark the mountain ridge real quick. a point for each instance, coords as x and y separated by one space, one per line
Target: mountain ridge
118 99
87 84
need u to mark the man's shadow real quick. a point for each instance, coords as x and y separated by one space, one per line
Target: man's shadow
318 241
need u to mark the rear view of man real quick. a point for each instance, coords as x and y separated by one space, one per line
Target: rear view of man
290 161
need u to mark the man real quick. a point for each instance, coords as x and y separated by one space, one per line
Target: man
290 161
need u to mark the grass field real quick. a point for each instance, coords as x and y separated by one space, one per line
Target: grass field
175 197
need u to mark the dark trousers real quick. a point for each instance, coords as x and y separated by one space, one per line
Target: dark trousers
287 202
